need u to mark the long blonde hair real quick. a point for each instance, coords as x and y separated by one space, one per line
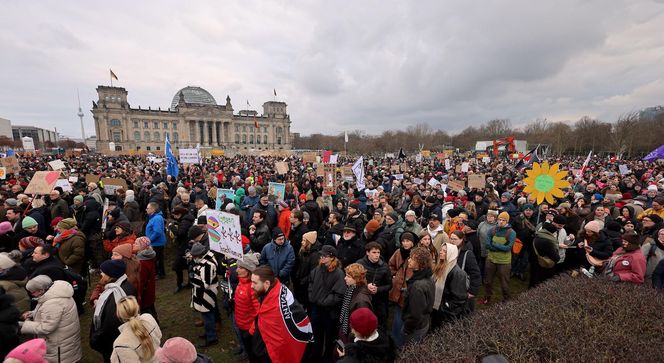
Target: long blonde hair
128 311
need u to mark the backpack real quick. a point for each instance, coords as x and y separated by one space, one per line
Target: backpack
80 288
543 261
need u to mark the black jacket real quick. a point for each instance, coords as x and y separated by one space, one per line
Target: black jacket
419 301
338 230
180 228
602 247
260 238
91 222
471 268
380 350
9 316
455 294
326 289
349 251
102 339
295 236
378 274
385 237
315 214
358 221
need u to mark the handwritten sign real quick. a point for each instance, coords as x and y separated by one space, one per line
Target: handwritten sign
42 182
224 233
476 181
189 156
57 164
456 185
64 184
11 163
281 167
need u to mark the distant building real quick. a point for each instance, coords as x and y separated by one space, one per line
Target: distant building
650 113
6 128
91 142
194 118
38 135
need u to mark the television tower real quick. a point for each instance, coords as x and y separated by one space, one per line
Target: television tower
80 115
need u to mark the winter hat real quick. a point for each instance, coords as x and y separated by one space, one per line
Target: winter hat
198 250
633 240
5 227
354 204
124 250
28 222
229 207
312 236
79 198
283 204
12 202
409 236
277 232
328 251
507 195
378 211
565 205
655 218
549 227
67 223
410 213
176 350
201 220
6 262
115 213
594 226
527 206
505 216
27 243
559 219
350 227
363 321
372 226
126 226
40 282
140 244
55 221
32 351
394 216
613 226
249 262
194 231
652 188
113 268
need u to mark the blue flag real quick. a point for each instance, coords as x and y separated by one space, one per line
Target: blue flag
171 162
654 155
10 152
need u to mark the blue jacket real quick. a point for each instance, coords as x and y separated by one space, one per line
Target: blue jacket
280 258
154 230
248 204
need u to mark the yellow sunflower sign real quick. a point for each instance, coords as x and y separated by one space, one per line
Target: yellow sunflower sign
545 182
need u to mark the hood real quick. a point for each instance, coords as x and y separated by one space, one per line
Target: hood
146 254
91 204
59 289
16 273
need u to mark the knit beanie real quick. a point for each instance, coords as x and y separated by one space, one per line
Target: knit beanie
311 237
32 351
198 250
40 282
5 227
78 198
633 240
6 262
140 244
363 321
372 226
194 232
408 236
113 268
55 221
176 350
28 222
124 250
67 223
277 232
249 261
594 226
27 243
505 216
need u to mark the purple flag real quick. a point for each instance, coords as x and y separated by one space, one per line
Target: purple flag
655 154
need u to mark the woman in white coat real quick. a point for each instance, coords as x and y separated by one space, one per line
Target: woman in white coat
54 319
139 337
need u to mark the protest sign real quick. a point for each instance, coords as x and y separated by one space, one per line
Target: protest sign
57 164
73 179
405 167
64 184
394 169
42 182
3 172
224 233
398 176
347 172
92 178
281 167
476 181
425 153
418 158
11 163
486 159
276 191
319 170
223 194
309 157
329 179
189 156
104 215
448 164
465 167
433 182
456 185
624 170
334 158
113 184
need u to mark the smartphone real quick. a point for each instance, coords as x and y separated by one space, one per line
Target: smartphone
340 345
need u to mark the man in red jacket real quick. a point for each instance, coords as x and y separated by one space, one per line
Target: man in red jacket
246 304
283 328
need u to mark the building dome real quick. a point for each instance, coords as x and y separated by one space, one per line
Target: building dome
195 95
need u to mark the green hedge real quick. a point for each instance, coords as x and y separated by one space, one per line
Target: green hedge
563 320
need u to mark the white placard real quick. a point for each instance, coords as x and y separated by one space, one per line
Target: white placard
465 167
64 184
418 158
624 170
398 176
189 156
334 158
224 233
486 159
358 170
28 143
433 182
57 164
448 164
73 179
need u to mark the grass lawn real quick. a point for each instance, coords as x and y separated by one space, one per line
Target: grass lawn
176 318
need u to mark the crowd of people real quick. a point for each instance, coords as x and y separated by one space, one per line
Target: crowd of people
345 274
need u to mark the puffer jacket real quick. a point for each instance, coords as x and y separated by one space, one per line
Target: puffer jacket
280 258
349 251
246 305
56 319
127 346
13 282
72 252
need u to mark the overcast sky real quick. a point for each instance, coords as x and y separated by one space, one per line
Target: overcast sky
340 65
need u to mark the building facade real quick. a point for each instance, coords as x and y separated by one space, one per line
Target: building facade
39 136
194 118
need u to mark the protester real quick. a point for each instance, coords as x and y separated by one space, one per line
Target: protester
180 350
451 287
401 272
154 230
13 278
32 351
379 281
246 304
279 255
356 296
370 343
628 263
9 318
140 335
499 259
70 244
146 293
204 291
419 298
545 247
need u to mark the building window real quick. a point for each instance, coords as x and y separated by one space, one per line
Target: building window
237 128
117 137
137 136
251 139
145 124
166 125
135 124
156 136
175 136
155 124
147 148
158 147
279 140
175 125
115 123
244 128
244 139
237 138
258 139
264 139
279 130
146 136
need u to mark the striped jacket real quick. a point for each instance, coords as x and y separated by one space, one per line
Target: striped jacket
205 283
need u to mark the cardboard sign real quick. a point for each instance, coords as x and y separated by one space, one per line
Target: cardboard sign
309 157
64 184
320 171
329 179
11 163
476 181
456 185
3 172
42 182
224 233
394 169
57 164
91 178
404 167
281 167
113 184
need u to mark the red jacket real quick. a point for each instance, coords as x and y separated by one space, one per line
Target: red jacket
630 266
284 222
246 305
148 281
110 245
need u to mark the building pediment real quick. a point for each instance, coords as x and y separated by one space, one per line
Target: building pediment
203 111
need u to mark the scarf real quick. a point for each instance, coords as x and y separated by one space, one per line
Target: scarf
57 241
434 232
450 262
344 318
112 288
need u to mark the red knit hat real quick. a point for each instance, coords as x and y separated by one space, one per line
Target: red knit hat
363 321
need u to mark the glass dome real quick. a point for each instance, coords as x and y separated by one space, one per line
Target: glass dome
193 94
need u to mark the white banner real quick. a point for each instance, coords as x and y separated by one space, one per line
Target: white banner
189 156
448 164
28 144
56 164
358 170
224 233
334 158
64 184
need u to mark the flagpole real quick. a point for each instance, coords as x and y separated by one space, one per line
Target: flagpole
110 75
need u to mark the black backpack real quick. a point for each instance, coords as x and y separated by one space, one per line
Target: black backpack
80 288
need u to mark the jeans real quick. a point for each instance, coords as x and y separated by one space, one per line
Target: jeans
503 274
520 262
325 331
159 250
209 322
416 336
397 326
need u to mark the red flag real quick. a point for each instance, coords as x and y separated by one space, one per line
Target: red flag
585 165
256 123
326 155
284 325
